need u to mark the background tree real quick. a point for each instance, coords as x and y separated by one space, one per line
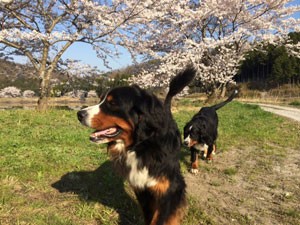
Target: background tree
221 31
272 65
43 30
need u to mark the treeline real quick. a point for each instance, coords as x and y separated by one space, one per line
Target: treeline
271 66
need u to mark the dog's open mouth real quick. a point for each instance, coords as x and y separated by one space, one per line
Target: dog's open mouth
104 136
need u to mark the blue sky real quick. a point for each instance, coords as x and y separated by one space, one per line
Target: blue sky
86 54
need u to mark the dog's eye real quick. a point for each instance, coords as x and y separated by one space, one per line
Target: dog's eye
111 103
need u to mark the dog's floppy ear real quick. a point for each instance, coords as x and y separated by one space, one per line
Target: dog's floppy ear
149 112
187 128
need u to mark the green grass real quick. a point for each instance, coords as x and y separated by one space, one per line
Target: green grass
230 171
39 150
41 153
292 213
295 103
242 125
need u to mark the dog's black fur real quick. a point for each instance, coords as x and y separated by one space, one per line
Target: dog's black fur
144 143
201 132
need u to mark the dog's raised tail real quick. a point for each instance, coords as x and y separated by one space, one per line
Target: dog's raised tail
178 83
232 96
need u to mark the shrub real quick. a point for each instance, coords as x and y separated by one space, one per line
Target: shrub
28 94
10 92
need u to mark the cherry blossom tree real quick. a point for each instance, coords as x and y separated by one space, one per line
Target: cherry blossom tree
77 72
43 30
213 35
293 45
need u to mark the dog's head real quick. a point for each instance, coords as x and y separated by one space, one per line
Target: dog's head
125 116
195 134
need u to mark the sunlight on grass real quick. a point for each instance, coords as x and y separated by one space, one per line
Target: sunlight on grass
243 125
52 174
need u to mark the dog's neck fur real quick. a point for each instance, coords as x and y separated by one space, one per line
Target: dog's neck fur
137 175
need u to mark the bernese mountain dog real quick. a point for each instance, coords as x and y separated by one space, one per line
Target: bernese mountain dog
143 142
201 132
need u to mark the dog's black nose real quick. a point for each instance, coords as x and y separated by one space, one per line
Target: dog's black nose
185 142
81 115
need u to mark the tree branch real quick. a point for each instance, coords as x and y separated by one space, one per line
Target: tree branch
26 53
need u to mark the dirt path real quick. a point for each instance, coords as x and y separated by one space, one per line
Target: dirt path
246 187
289 112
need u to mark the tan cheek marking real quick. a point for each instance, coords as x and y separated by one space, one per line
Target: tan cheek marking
192 143
127 134
127 137
161 187
102 121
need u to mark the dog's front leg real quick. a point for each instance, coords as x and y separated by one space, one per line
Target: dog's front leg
194 161
210 152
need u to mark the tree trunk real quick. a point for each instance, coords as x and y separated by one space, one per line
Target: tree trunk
213 96
44 91
223 91
42 103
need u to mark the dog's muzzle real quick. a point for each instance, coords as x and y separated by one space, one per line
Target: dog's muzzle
186 143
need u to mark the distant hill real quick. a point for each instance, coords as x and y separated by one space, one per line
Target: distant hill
24 77
21 76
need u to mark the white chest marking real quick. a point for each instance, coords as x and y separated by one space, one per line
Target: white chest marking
138 177
120 145
201 147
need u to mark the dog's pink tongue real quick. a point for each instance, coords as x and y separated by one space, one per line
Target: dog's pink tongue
104 132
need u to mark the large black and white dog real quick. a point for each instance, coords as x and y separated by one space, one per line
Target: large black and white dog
201 132
144 142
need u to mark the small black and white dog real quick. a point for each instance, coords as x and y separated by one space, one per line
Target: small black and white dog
201 132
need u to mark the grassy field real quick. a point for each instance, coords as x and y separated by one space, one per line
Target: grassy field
52 174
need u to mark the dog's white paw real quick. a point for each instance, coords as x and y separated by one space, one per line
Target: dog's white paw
194 171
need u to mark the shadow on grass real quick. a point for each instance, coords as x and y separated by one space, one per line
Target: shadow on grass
185 155
104 186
